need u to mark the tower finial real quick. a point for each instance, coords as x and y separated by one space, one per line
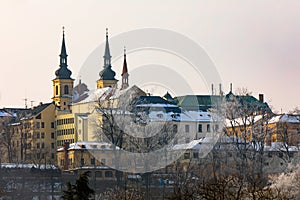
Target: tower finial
124 50
106 32
63 28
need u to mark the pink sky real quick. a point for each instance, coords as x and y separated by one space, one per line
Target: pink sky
254 44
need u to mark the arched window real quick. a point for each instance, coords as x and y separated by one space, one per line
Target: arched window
66 89
56 90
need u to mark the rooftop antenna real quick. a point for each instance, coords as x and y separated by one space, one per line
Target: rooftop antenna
25 101
212 89
31 104
231 87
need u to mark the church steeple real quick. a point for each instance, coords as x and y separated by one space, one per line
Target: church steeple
63 72
124 73
63 83
107 75
63 55
107 56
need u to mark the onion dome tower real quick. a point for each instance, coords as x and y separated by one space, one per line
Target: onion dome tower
63 83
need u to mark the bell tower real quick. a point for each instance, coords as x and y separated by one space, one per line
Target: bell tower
107 75
63 83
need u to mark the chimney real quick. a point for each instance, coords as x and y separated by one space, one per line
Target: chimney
41 103
231 87
261 97
66 158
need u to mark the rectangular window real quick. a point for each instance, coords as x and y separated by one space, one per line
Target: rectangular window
37 124
42 135
195 155
52 145
175 128
187 128
93 161
208 128
200 128
43 145
43 124
52 135
37 145
108 174
52 124
38 135
52 156
38 155
82 161
103 161
98 174
217 127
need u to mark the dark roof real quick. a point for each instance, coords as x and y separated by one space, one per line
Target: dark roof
17 111
205 102
167 96
248 100
197 102
151 100
63 73
40 108
80 88
143 100
107 73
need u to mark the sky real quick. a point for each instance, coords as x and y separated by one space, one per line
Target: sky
253 44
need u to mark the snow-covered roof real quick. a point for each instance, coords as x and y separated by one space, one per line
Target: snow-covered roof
241 122
94 95
280 146
285 118
163 116
159 105
195 144
89 146
196 116
191 145
27 166
3 113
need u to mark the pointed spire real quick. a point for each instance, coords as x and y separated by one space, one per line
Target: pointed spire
107 56
63 72
63 55
124 73
125 70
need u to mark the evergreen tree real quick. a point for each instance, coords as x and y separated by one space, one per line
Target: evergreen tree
80 190
69 193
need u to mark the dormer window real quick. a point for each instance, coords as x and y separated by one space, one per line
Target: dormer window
160 115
